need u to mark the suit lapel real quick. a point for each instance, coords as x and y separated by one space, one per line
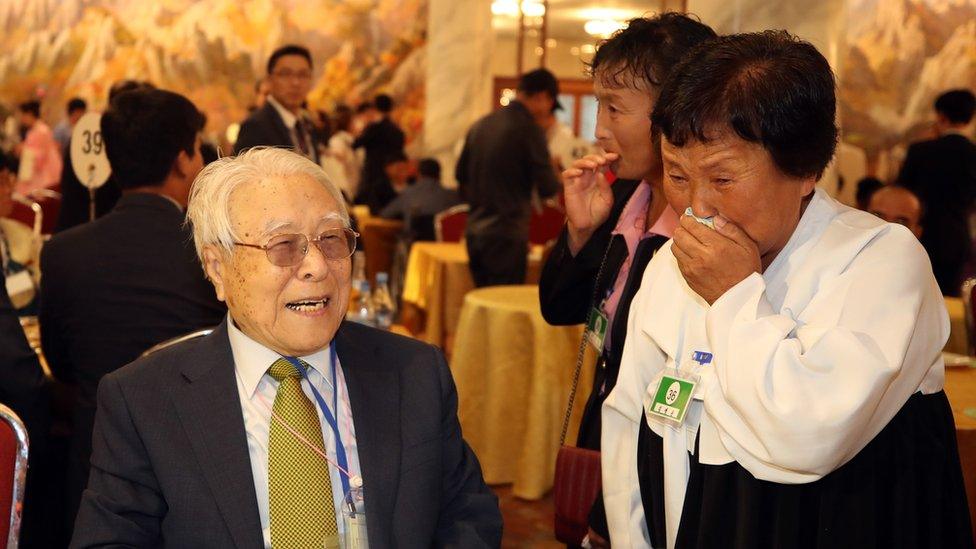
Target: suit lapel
210 410
374 395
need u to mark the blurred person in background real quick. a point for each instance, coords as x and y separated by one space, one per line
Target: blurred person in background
381 139
942 173
341 162
866 187
282 121
19 248
77 107
898 205
39 153
504 162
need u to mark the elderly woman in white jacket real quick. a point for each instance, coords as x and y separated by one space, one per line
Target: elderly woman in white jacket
781 384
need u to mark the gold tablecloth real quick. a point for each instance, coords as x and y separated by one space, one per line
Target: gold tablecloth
960 387
957 327
436 282
513 373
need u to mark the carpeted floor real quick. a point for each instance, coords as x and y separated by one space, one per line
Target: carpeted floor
528 524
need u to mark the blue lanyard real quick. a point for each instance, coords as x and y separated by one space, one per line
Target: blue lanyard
340 449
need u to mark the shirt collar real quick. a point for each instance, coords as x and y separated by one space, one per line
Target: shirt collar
286 115
252 360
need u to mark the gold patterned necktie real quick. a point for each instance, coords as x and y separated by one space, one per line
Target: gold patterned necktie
299 487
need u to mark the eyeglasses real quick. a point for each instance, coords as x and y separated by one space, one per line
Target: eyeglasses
288 75
286 250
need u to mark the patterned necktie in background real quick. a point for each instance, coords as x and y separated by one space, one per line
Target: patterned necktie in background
301 135
299 487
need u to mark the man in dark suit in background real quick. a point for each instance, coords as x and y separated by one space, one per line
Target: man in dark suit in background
281 121
942 173
129 280
255 435
504 161
383 140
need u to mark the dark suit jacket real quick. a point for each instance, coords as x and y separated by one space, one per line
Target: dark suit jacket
264 127
112 289
171 465
381 140
942 172
505 158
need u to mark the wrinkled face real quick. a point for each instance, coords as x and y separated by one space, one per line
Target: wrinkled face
293 310
896 205
290 81
623 126
737 179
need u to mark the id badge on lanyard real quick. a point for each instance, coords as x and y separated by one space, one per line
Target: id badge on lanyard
669 402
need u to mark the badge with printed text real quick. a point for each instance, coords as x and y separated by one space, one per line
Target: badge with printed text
596 328
672 398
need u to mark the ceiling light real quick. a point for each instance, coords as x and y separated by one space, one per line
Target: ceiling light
510 8
602 28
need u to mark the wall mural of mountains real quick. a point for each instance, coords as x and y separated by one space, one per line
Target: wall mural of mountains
213 51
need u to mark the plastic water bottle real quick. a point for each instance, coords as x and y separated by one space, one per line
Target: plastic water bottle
383 303
364 312
358 275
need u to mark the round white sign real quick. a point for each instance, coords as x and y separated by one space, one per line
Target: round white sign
88 158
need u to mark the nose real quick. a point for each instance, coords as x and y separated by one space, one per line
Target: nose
601 133
314 266
701 199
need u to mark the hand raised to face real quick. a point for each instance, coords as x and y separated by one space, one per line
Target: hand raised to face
713 261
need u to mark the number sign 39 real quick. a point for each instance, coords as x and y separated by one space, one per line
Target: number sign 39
88 158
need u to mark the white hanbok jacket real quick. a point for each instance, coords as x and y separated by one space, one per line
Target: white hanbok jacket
811 360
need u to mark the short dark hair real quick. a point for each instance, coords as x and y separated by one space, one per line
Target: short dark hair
31 107
866 187
77 104
394 157
429 167
768 87
646 50
956 105
144 131
289 49
120 86
383 103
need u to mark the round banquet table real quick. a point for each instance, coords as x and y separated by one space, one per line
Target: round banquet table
960 387
513 373
436 281
957 342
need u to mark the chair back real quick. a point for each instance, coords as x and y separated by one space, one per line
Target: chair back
175 340
546 225
28 212
13 474
449 225
50 201
969 308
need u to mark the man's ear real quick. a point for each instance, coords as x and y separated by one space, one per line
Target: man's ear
215 266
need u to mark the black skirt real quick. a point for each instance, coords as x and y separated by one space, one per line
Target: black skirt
904 489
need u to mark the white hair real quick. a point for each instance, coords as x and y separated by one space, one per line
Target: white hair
209 206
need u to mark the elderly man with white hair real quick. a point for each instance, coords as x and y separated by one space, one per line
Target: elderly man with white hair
286 426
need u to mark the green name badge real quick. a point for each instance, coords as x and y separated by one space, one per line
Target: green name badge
596 328
672 399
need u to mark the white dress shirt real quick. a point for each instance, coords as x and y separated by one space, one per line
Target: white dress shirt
291 120
257 391
811 360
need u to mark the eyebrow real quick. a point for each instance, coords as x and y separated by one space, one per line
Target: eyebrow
274 225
